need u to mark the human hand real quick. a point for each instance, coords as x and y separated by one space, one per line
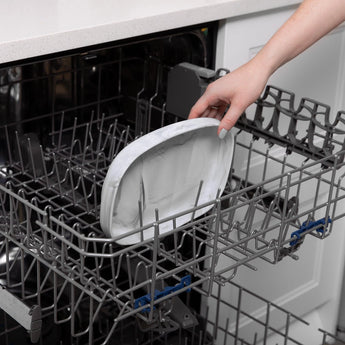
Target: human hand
239 89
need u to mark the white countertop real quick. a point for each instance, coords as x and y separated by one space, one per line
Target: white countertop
39 27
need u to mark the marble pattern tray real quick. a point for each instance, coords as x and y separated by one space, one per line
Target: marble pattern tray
163 170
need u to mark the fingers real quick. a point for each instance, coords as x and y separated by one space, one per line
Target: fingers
204 108
208 104
229 120
212 111
221 111
199 109
228 90
215 112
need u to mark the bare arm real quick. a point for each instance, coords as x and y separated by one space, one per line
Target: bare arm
312 20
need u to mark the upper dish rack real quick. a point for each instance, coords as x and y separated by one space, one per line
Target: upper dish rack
50 197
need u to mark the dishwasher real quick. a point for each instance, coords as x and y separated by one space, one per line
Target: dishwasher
65 117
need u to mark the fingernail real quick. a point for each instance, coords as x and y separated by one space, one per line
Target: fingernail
222 133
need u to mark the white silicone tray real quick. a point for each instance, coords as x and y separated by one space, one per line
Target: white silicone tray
163 171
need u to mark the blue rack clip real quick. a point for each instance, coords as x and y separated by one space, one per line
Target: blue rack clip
141 301
296 235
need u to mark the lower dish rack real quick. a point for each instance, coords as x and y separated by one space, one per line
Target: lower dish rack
64 282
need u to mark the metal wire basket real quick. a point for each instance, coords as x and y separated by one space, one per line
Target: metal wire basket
56 261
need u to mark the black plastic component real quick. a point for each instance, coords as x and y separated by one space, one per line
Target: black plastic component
306 129
30 153
186 83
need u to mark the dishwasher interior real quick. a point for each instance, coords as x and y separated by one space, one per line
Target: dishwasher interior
63 119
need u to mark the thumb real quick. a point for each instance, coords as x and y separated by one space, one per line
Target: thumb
229 120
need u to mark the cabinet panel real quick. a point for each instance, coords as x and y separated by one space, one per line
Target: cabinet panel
311 286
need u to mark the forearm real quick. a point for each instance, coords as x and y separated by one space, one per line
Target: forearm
312 20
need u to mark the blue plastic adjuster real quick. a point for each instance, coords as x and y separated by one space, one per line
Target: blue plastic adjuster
146 299
296 235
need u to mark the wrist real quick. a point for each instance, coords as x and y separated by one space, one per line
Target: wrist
262 66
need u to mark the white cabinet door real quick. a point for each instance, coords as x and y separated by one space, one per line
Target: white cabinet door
311 286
